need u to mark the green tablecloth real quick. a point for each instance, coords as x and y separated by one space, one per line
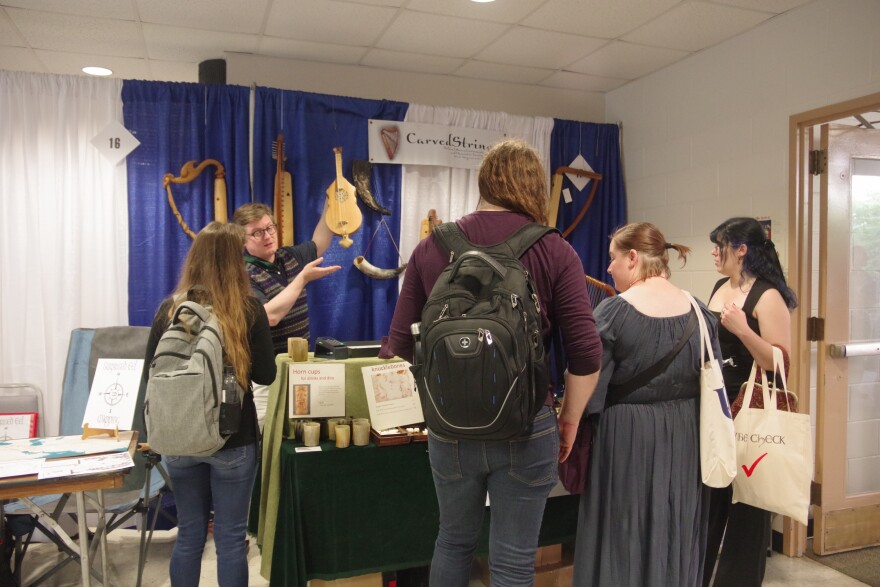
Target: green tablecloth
341 513
277 428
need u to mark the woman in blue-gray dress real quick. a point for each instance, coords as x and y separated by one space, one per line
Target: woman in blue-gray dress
643 516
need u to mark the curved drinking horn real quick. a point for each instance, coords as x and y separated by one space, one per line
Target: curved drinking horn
371 270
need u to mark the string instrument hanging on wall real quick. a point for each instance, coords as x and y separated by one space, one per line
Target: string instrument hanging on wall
343 215
283 202
429 224
556 192
188 173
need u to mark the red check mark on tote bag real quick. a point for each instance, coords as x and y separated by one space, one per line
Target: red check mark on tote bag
750 470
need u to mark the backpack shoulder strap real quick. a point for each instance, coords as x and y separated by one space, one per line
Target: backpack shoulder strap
451 238
526 236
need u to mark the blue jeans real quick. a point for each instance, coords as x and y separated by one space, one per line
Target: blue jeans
224 479
518 476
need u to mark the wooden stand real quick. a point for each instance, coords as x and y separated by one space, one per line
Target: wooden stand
89 432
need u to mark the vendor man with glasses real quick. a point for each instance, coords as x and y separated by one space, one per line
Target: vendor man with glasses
279 274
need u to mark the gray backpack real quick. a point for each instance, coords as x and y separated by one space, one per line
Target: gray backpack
182 405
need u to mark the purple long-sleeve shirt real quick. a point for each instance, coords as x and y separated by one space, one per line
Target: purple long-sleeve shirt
554 266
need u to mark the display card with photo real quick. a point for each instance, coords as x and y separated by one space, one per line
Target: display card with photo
392 395
315 390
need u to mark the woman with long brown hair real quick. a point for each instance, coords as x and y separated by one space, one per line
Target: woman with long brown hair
213 273
516 474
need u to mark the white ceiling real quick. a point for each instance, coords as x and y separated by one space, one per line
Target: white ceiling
588 45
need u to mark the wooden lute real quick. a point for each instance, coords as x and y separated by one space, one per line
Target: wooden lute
343 215
283 195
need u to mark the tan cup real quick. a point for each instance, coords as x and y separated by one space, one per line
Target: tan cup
332 423
360 433
343 435
311 433
298 349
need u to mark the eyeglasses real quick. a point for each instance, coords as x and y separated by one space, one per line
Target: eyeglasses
261 232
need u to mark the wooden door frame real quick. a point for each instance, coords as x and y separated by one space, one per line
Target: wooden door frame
800 223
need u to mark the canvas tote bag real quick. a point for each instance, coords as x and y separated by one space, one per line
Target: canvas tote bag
774 451
717 440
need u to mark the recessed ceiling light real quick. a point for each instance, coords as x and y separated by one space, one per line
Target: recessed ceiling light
481 1
97 70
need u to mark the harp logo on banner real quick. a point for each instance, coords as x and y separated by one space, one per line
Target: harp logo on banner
429 144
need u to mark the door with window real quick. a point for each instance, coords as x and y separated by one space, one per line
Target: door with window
848 352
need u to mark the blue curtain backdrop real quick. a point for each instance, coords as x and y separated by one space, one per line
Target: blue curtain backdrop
176 123
599 144
346 305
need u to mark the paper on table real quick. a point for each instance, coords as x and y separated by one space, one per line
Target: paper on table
85 465
19 468
308 449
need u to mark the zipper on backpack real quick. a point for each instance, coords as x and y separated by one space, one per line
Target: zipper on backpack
484 333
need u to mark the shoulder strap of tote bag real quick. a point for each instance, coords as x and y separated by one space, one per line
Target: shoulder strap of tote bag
705 345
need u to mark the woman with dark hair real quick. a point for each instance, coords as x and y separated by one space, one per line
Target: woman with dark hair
517 474
753 302
213 273
643 515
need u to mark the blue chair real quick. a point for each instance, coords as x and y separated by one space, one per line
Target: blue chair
142 490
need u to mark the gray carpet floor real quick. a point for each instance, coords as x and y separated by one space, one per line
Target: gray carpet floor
122 545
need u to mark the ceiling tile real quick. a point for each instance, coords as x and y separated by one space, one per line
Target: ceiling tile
507 11
174 71
182 44
413 62
502 72
328 21
20 59
72 64
626 61
577 81
695 26
394 3
103 8
534 48
309 51
233 16
774 6
78 34
597 18
8 34
438 35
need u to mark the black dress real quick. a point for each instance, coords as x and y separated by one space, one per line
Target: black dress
743 559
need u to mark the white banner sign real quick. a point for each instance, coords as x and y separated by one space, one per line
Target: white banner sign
429 144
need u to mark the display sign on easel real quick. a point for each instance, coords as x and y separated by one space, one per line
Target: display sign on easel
316 390
392 395
113 395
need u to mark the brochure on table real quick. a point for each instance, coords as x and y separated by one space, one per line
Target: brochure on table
315 390
18 425
392 395
114 393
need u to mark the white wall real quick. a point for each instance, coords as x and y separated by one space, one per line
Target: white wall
426 89
707 138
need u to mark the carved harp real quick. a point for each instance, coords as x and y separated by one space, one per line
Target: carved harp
188 173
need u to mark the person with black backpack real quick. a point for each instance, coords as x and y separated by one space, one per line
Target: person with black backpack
213 289
484 296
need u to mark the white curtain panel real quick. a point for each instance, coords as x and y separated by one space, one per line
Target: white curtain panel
63 225
454 192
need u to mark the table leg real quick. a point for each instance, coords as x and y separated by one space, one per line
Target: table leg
85 564
102 528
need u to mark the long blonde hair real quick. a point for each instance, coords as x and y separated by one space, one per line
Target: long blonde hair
215 267
513 177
